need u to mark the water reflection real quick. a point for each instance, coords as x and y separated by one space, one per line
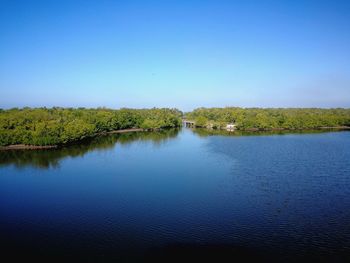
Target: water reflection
179 196
50 158
201 132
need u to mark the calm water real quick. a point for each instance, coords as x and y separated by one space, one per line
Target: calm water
177 194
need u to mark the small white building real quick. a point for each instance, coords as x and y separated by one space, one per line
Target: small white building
231 127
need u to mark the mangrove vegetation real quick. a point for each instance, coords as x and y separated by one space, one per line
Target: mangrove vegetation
56 126
270 118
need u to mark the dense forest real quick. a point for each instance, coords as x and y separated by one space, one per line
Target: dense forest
55 126
270 118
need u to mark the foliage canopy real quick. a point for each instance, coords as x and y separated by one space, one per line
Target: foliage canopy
270 118
53 126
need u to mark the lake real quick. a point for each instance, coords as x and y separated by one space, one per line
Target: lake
180 194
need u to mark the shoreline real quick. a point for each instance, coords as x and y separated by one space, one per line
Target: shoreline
277 129
120 131
300 129
45 147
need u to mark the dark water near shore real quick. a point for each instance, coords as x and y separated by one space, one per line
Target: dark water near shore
180 194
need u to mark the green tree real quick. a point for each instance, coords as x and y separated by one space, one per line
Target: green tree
201 121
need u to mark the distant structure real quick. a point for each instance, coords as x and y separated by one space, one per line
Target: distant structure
231 127
188 124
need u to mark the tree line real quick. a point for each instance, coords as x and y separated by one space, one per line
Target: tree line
270 118
55 126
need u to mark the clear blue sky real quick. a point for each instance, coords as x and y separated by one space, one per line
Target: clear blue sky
181 54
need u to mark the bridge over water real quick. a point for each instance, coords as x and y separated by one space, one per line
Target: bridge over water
188 123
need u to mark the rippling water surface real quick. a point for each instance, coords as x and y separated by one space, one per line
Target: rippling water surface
180 194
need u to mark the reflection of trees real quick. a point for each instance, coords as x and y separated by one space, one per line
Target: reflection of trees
210 132
156 137
51 157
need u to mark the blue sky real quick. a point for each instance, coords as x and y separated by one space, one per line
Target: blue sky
182 54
